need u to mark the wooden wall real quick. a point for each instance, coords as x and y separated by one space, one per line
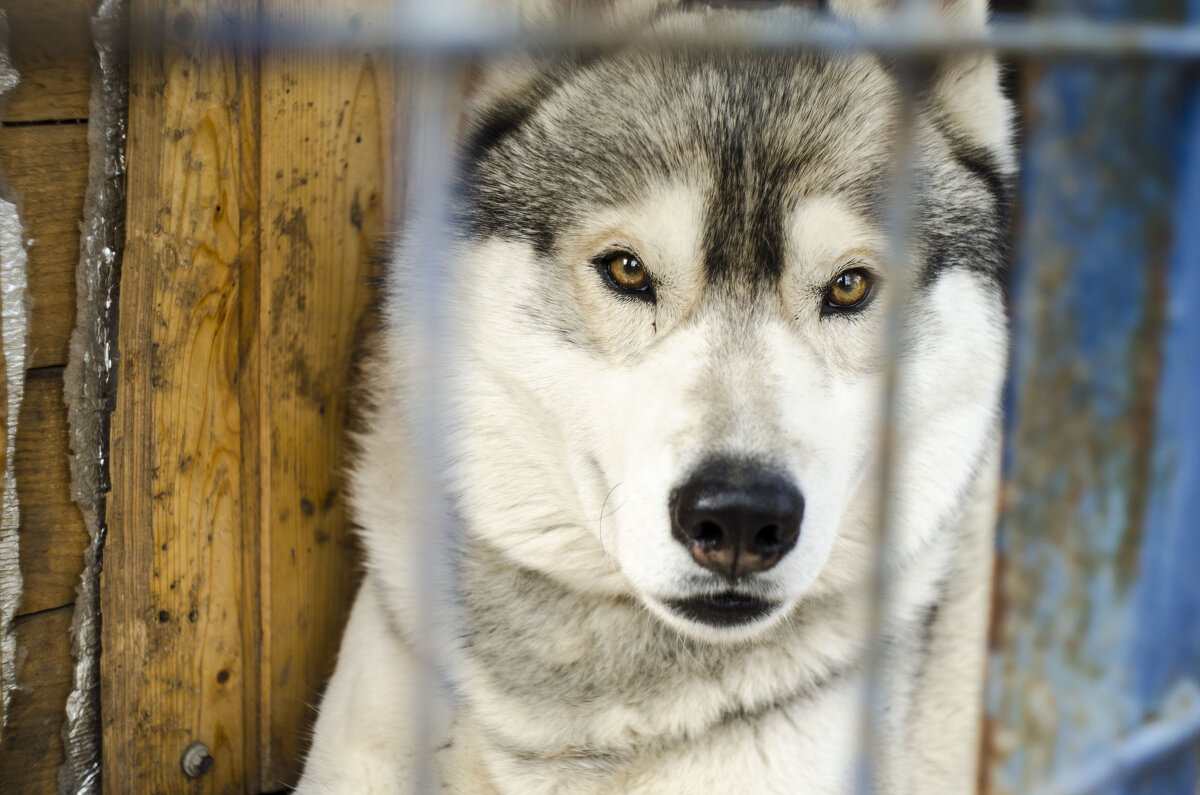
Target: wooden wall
257 181
43 149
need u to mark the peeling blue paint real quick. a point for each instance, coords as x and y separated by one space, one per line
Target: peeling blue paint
1100 542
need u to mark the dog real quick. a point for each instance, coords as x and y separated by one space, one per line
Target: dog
665 395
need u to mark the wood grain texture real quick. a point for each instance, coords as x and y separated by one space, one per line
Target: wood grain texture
51 48
175 592
48 167
327 169
52 534
255 188
33 746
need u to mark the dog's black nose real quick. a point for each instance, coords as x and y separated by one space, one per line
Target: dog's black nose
737 518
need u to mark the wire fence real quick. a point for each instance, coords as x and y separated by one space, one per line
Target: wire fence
442 36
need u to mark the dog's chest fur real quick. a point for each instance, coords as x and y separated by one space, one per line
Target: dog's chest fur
589 695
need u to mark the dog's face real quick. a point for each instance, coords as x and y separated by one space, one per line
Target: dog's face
675 298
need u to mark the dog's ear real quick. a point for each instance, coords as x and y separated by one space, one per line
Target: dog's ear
965 89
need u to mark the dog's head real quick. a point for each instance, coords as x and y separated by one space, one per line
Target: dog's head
673 302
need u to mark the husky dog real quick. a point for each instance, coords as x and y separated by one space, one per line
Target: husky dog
666 387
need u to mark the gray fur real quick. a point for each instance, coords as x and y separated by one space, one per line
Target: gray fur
763 130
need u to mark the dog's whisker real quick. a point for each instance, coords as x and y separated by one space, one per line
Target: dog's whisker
612 561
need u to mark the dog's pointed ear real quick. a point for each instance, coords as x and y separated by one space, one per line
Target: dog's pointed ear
965 89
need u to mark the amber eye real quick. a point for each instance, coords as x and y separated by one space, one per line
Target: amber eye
625 272
849 290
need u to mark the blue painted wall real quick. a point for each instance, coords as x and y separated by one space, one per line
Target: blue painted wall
1099 586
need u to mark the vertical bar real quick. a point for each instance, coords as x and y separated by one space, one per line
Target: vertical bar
899 222
1096 615
429 335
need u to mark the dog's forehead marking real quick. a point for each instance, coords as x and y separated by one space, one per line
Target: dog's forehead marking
758 127
761 132
743 225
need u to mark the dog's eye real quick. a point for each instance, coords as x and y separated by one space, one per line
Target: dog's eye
625 272
849 290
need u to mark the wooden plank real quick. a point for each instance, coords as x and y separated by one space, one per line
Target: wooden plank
51 48
33 746
48 167
327 163
174 592
52 533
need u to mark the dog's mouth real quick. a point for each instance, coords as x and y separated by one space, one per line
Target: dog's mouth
727 609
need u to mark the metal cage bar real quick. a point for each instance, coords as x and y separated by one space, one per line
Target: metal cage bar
440 40
441 35
427 306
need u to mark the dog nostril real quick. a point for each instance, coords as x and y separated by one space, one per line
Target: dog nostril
767 539
708 533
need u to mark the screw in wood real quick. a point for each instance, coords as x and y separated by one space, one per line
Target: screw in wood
196 760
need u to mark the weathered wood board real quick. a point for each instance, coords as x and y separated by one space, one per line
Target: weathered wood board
33 747
256 184
48 167
51 45
43 150
179 629
327 166
52 535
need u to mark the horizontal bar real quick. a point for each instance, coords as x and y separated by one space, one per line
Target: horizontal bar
1179 726
430 32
